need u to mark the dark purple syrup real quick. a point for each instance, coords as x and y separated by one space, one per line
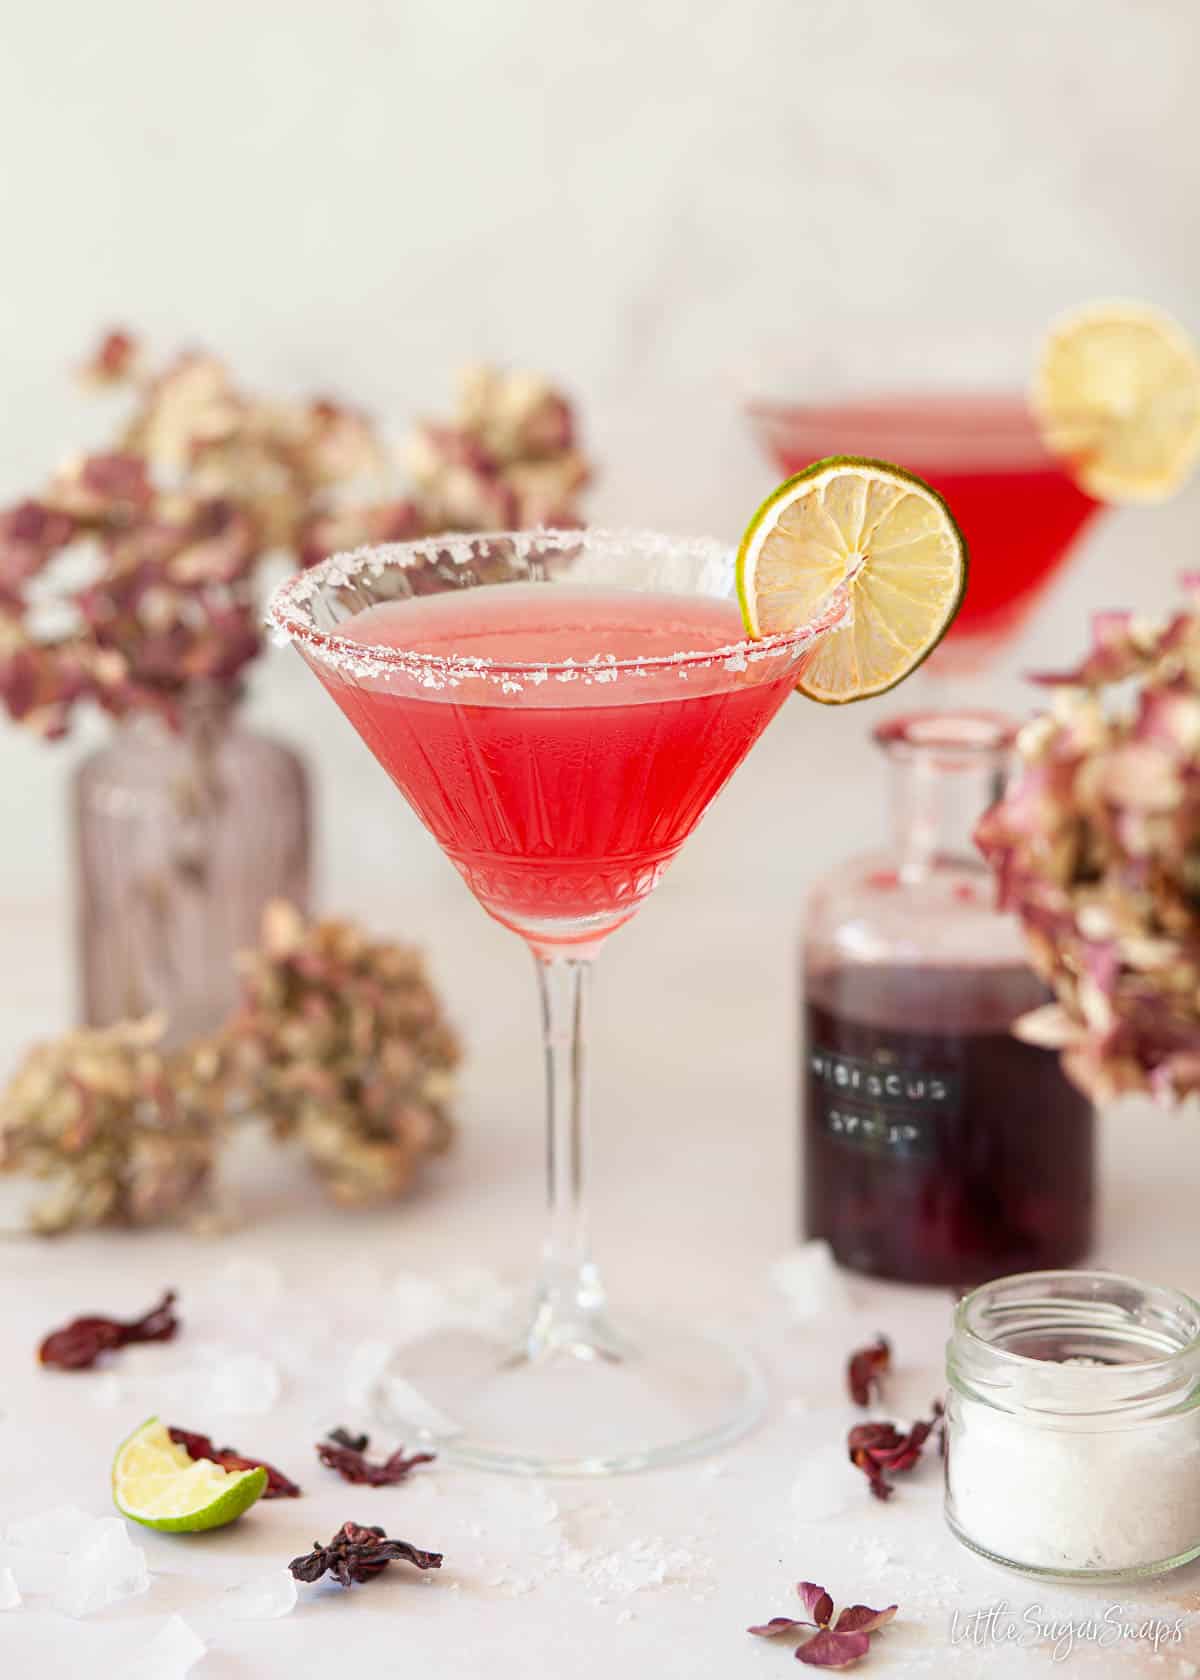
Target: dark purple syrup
938 1148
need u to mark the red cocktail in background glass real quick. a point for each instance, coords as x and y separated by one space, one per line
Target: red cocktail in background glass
1018 506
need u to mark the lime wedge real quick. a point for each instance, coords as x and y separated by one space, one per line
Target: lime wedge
1117 393
876 532
155 1483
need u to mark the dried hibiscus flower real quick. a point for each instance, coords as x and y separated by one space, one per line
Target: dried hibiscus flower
866 1369
880 1449
346 1454
278 1485
830 1644
78 1345
357 1554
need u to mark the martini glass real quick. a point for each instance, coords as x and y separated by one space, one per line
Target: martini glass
1018 505
559 708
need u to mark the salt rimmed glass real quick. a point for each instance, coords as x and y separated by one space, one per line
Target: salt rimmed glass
560 789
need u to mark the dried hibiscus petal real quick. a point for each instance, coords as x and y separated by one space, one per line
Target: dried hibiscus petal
346 1453
78 1345
358 1553
866 1369
278 1485
830 1644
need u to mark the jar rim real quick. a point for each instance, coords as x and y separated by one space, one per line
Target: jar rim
1066 1289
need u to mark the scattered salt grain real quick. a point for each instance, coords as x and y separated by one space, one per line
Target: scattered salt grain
170 1655
827 1486
10 1593
631 1568
262 1599
810 1282
627 1616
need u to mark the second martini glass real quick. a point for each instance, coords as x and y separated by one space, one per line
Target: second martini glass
1020 508
559 708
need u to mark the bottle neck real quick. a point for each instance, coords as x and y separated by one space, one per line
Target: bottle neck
946 770
200 716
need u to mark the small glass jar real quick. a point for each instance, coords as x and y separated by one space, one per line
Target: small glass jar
182 836
937 1147
1073 1425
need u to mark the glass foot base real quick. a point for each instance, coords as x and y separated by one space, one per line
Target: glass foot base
582 1405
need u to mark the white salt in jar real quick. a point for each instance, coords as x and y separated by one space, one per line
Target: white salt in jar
1073 1425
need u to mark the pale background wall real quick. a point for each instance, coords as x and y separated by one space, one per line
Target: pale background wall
664 205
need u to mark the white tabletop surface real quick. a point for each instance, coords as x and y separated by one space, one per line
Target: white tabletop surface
693 1188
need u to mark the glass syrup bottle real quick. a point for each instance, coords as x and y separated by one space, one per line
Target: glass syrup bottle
938 1148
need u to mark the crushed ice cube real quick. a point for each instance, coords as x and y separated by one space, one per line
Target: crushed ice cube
170 1655
34 1572
262 1599
827 1486
10 1593
810 1282
244 1382
103 1569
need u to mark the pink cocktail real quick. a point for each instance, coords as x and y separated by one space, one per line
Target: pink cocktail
1018 506
562 798
559 708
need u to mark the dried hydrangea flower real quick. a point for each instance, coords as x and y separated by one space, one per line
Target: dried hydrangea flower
830 1644
507 459
203 481
125 1133
1096 848
880 1449
341 1042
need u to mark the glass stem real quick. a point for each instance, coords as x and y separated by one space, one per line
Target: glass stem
569 1303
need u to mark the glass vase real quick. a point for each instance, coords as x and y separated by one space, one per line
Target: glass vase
938 1148
182 835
